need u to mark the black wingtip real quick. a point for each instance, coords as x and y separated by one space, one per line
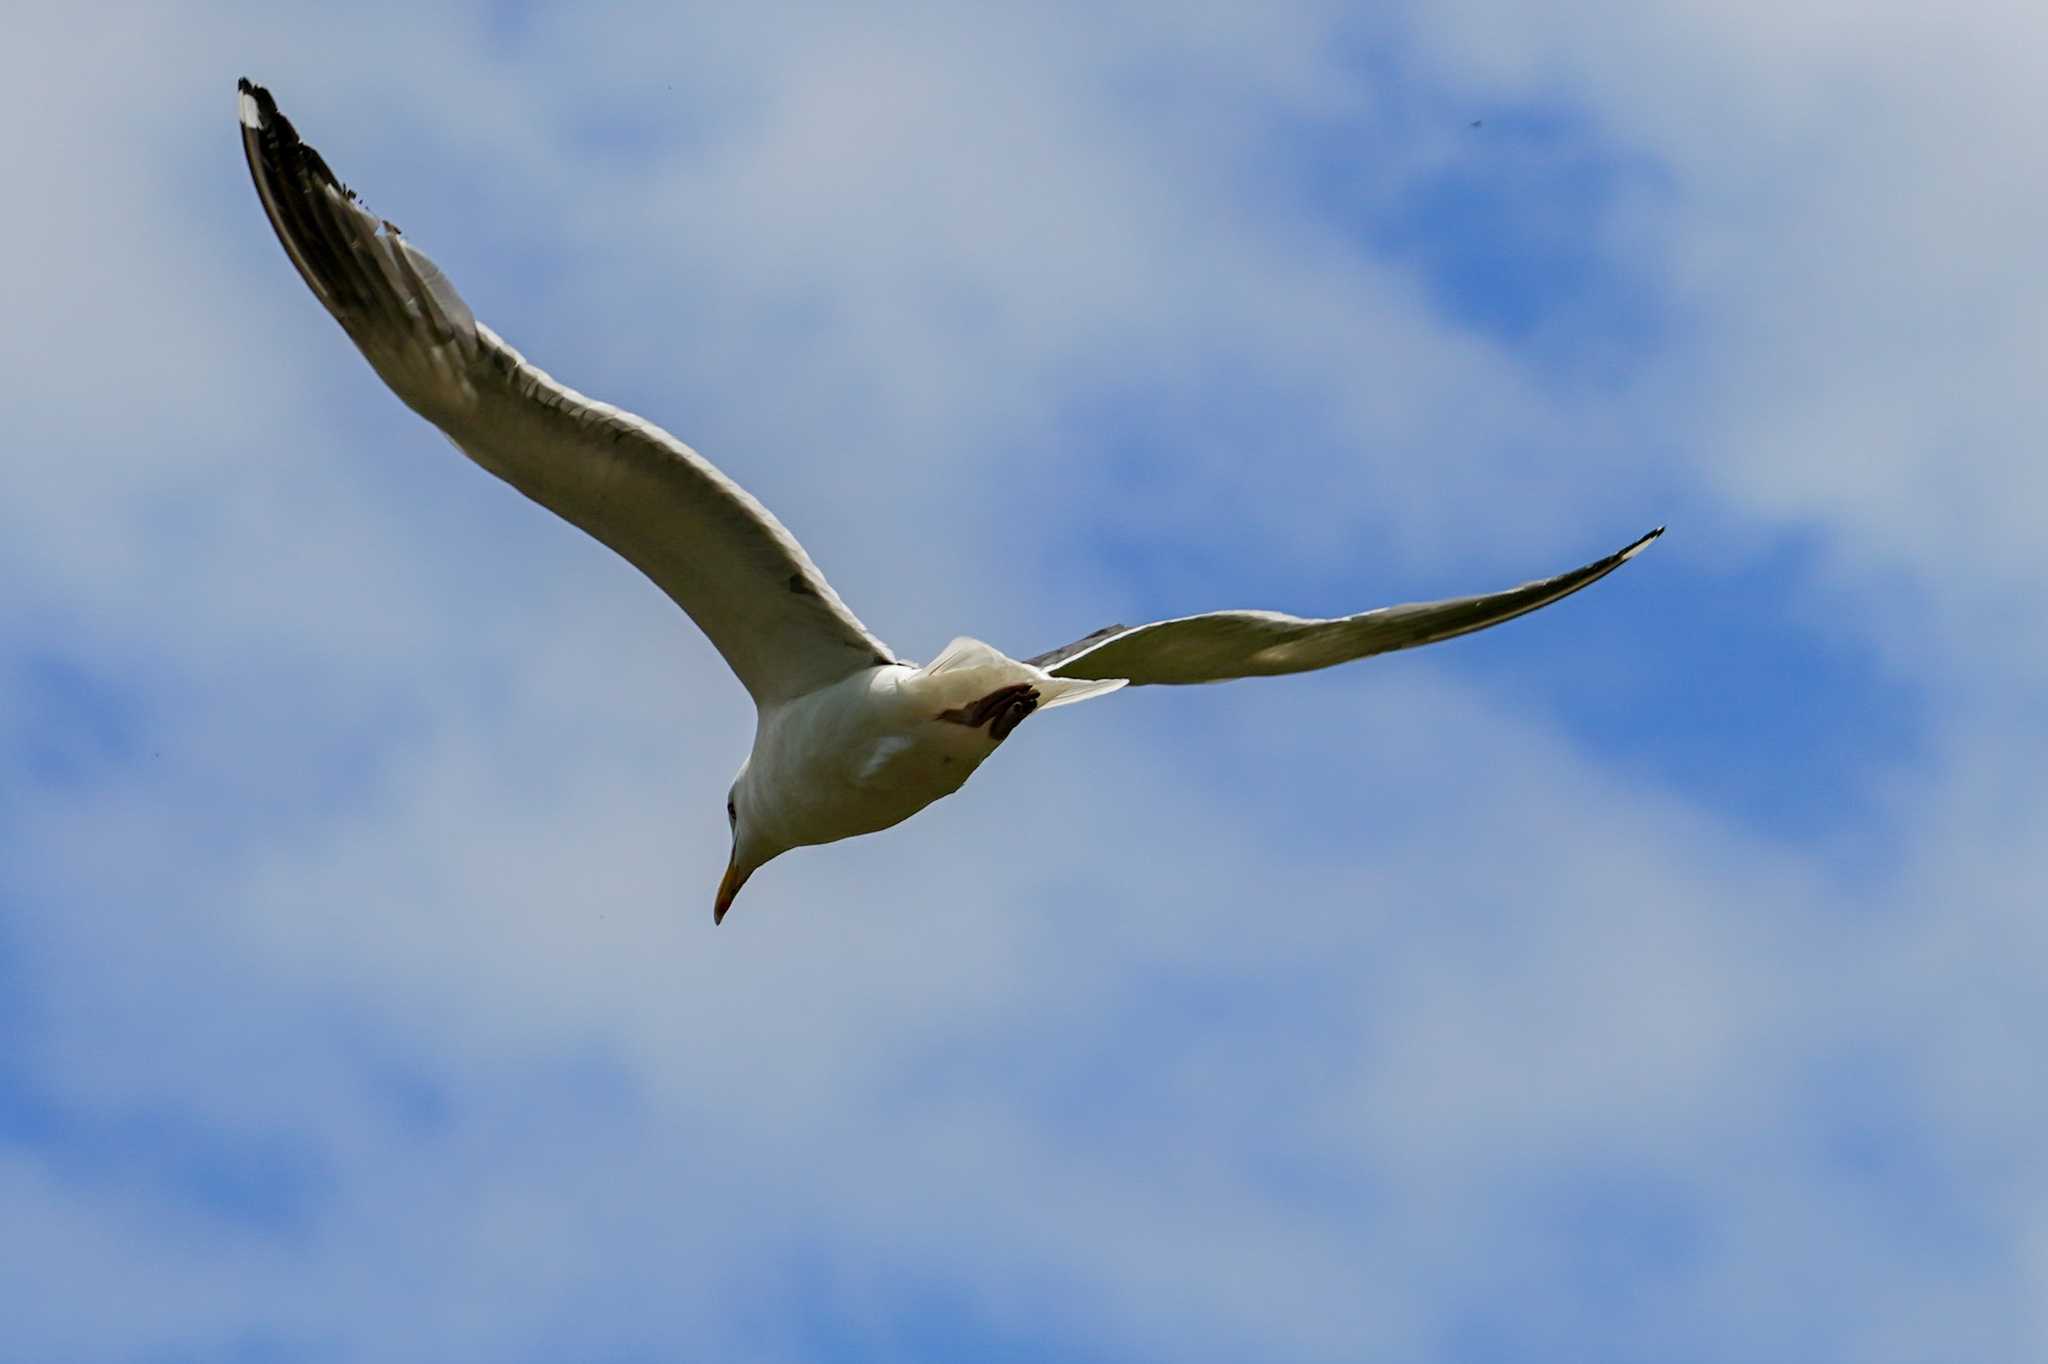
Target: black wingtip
257 109
1639 546
277 143
273 130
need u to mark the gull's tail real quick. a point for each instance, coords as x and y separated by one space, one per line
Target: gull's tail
967 669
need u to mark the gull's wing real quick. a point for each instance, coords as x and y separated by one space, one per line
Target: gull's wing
1228 644
716 551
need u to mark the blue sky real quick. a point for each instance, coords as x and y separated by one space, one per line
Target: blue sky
1655 977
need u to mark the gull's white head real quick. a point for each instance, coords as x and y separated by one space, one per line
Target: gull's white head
752 845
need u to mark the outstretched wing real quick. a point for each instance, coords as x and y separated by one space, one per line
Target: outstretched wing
703 540
1228 644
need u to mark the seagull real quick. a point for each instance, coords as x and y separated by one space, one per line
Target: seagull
849 738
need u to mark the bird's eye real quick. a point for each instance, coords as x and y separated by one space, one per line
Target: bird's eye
732 815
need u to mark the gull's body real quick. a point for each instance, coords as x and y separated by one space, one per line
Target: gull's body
875 747
849 738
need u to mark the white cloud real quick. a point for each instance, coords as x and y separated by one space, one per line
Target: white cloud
1857 199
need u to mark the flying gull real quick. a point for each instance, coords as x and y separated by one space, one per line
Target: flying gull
849 738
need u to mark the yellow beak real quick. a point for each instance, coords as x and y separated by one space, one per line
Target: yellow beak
728 888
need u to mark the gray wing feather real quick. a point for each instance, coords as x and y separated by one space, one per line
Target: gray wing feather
1230 644
718 553
1051 659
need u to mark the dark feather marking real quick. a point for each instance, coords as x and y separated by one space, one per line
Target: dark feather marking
1012 714
1002 710
801 586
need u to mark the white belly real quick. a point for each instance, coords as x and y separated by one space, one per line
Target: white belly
873 749
862 755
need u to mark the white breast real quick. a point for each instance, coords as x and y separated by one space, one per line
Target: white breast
858 756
